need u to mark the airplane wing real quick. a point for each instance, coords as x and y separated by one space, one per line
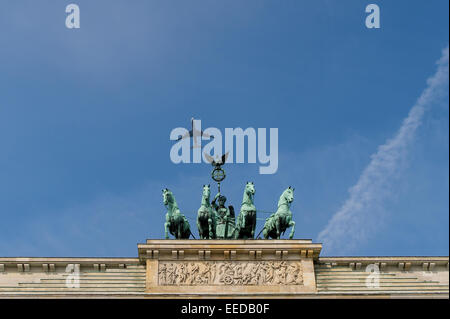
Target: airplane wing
209 158
207 135
187 135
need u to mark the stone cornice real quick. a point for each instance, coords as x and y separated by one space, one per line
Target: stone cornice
49 264
228 249
427 263
69 260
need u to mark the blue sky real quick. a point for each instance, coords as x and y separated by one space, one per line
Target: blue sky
85 117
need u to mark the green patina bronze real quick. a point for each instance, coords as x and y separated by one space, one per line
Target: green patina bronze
225 219
176 223
218 173
278 222
216 221
206 217
246 222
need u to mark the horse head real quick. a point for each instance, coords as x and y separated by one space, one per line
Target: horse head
250 189
206 192
287 196
167 196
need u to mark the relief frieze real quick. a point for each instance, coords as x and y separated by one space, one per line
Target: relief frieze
230 273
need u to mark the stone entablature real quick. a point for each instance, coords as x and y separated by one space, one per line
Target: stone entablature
257 267
226 268
382 277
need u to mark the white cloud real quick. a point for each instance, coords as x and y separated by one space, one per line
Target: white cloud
358 217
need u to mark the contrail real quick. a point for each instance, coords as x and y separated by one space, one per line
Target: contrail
351 223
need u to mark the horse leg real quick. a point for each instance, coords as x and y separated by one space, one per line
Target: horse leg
254 227
265 233
237 228
166 230
278 227
199 228
186 231
210 228
292 224
236 232
181 231
178 236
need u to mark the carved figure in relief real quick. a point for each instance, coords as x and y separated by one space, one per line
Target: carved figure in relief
192 271
293 274
279 273
180 273
170 276
268 271
162 274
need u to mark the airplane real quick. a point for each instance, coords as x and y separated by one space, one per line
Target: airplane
194 133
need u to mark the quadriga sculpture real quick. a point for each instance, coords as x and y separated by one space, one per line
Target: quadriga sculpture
176 223
246 222
278 222
206 217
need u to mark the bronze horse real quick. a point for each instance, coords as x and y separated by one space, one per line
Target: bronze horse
206 217
246 222
278 222
176 223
